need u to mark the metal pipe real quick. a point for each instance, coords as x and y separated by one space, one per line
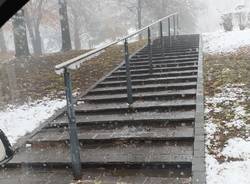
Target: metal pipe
150 51
70 62
74 142
128 73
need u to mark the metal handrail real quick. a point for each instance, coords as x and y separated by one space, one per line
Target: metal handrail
77 61
93 52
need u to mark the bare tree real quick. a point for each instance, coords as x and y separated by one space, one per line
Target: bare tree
79 17
76 25
135 7
66 41
20 36
33 15
2 42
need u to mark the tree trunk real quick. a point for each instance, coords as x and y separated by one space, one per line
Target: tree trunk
38 41
77 40
13 88
139 16
2 42
66 41
34 33
20 36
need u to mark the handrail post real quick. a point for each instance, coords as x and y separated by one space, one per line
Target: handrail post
169 33
128 73
161 36
177 24
174 19
161 33
150 50
74 142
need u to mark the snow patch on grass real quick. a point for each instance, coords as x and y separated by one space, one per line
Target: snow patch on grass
228 172
224 42
18 121
237 148
231 99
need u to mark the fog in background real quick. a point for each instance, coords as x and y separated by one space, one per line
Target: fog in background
210 17
93 22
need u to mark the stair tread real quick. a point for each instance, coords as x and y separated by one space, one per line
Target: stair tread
142 94
159 65
103 89
165 57
154 60
151 79
85 107
107 176
179 68
118 133
154 74
147 152
139 116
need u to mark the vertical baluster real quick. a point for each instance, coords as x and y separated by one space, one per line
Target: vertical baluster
161 34
174 22
74 142
129 83
169 32
161 37
178 24
150 50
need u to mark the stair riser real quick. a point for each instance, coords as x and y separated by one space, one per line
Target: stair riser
165 58
158 66
116 126
166 122
122 111
156 70
139 55
149 89
171 50
163 54
160 81
172 61
154 170
118 78
145 98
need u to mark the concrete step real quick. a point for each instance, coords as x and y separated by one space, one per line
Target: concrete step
164 61
153 75
94 134
137 59
127 119
121 153
144 88
143 96
166 53
156 70
137 106
160 65
166 80
158 174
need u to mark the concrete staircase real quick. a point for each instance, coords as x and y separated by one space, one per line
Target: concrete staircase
159 139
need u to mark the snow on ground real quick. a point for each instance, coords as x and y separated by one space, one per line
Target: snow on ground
18 121
223 42
236 151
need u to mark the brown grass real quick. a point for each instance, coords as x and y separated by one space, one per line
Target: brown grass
36 77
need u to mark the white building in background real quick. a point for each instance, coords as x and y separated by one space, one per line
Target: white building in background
247 3
210 18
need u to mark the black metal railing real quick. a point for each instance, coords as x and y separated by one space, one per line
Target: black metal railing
76 62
